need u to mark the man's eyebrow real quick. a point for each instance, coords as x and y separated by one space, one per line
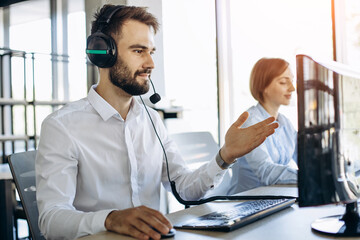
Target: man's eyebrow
142 47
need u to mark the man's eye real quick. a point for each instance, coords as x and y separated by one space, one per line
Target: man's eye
138 51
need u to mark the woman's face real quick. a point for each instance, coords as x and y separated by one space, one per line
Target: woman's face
280 89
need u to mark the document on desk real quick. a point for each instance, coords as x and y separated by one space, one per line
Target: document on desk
272 190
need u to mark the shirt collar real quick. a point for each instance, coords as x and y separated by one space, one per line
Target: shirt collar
265 114
135 109
281 119
105 110
101 106
262 110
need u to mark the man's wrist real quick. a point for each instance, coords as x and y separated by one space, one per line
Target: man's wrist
108 221
222 164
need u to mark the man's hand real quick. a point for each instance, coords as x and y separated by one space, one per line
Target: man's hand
240 141
138 222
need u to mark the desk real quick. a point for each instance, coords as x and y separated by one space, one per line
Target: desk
292 223
170 112
6 203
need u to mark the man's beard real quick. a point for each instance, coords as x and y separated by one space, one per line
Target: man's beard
120 76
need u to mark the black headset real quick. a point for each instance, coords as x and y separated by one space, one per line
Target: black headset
101 48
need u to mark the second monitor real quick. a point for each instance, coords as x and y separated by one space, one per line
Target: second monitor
329 141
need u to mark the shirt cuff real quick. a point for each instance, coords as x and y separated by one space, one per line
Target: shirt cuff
222 163
214 170
215 173
99 221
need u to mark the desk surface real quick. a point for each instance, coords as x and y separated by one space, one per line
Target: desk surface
291 223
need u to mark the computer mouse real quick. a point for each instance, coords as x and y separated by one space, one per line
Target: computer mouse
170 234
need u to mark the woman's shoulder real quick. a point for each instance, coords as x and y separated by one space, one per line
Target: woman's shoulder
255 116
284 120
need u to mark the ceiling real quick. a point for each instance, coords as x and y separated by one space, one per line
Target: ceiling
4 3
32 10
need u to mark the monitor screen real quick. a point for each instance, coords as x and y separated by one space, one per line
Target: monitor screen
328 132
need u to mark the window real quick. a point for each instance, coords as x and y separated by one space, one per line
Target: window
347 14
189 29
40 70
276 28
190 67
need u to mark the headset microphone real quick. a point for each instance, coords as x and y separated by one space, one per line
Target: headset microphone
155 97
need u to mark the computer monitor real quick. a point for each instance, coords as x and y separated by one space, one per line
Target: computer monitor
329 141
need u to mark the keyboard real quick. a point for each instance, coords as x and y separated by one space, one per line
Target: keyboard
239 215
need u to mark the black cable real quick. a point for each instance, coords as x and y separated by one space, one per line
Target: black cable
204 200
157 135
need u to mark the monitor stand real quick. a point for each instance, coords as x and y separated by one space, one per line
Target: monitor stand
340 225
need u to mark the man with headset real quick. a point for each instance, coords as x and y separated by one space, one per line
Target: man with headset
101 159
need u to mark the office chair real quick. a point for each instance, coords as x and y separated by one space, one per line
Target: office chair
198 148
22 166
19 213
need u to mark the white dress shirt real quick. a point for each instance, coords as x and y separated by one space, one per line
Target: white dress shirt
90 161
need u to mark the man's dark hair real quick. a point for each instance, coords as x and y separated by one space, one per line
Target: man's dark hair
117 20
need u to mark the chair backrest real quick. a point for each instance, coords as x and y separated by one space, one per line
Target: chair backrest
22 166
196 148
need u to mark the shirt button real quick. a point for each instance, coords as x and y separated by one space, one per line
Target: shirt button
212 187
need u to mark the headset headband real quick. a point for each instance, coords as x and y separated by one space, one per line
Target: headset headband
107 19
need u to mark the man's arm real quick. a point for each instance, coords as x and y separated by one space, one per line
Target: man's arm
240 141
56 173
137 222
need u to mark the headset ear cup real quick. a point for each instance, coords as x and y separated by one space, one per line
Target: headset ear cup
101 41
